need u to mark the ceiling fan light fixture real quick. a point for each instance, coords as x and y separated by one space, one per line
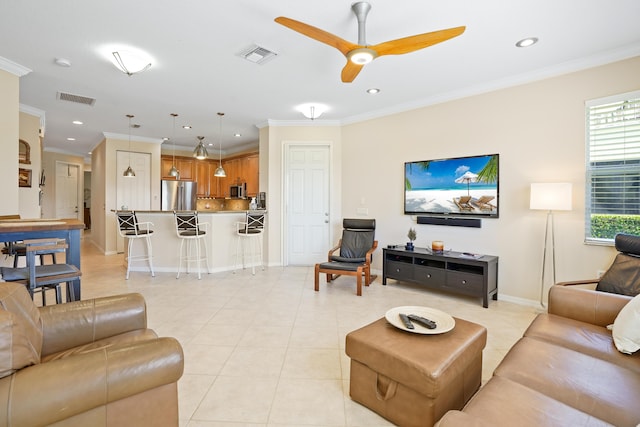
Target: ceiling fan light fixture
362 55
200 151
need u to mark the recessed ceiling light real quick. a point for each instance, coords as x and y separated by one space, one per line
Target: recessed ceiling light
71 139
77 122
237 135
165 138
186 127
63 62
529 41
89 152
373 90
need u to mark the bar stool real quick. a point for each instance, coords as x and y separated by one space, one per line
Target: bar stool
130 228
189 229
39 278
249 233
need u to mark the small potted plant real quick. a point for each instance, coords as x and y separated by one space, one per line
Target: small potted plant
412 236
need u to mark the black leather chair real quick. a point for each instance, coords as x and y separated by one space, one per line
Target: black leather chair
623 276
356 250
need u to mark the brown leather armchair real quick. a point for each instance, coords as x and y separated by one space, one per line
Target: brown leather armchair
84 363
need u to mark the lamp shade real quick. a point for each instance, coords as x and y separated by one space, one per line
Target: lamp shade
554 196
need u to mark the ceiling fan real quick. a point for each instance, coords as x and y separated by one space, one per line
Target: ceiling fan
360 54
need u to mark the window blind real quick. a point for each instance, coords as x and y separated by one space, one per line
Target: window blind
613 167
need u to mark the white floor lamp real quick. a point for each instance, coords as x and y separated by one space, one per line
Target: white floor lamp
550 197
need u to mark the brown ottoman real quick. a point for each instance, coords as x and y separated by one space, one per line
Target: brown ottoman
412 379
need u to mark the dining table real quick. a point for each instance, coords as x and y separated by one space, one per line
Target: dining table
14 230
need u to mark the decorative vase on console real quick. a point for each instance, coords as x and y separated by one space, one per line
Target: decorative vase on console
412 236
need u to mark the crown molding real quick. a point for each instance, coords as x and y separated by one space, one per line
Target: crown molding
568 67
13 68
125 136
299 123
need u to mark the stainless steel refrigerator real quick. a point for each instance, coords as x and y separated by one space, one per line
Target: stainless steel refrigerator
178 195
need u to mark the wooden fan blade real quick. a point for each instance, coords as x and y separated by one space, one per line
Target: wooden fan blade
317 34
417 42
350 71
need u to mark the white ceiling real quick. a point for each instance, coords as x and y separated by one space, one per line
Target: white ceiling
196 71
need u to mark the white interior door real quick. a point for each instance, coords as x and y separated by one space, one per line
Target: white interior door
307 203
67 190
134 192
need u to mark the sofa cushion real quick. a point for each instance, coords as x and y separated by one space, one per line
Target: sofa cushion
623 277
626 328
583 337
502 402
20 329
586 383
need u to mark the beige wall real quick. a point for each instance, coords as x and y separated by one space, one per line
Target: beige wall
273 141
29 204
49 161
538 130
104 232
9 135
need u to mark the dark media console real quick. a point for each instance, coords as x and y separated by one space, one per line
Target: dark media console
467 274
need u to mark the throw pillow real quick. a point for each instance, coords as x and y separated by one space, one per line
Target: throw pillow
20 329
626 327
623 277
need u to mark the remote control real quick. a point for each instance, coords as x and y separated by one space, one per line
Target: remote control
406 321
427 323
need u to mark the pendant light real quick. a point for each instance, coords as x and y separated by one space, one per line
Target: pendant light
220 173
174 171
200 152
128 172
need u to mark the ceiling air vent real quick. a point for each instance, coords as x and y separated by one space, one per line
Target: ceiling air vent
257 54
63 96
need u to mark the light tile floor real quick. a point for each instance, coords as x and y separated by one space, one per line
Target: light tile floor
267 350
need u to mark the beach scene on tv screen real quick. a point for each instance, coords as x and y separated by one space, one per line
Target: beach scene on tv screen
466 185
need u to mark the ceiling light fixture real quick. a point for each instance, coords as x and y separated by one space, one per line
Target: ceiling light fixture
529 41
186 127
237 135
200 151
71 139
373 91
128 172
77 122
362 56
312 111
130 63
63 62
174 171
220 172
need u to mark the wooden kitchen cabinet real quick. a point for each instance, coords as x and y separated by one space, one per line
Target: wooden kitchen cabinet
250 173
202 178
185 166
239 169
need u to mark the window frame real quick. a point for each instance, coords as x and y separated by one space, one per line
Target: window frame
616 166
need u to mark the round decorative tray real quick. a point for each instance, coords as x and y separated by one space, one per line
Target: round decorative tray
444 322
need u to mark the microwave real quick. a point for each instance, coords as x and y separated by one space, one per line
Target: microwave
238 191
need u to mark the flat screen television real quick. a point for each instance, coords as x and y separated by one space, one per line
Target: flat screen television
460 187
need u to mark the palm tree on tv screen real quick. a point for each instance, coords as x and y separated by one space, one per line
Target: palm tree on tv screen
424 166
489 172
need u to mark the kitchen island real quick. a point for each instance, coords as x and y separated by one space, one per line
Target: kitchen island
220 239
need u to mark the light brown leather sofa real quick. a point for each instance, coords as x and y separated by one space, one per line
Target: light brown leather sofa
84 363
564 371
